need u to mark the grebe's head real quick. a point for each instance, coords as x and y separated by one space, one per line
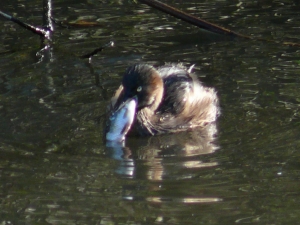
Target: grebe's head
142 87
144 82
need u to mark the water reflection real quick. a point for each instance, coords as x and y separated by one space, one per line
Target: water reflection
184 200
155 153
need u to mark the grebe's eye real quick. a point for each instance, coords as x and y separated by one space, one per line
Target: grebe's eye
139 89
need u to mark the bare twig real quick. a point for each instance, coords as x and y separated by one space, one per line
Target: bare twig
205 24
36 30
89 55
192 19
46 51
47 15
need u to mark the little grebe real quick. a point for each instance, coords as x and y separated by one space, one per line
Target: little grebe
154 101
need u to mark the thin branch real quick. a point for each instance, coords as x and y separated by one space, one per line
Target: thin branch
47 15
39 31
192 19
205 24
89 55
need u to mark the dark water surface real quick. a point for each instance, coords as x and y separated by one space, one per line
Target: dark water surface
54 165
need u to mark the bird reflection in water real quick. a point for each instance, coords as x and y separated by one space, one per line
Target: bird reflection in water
152 152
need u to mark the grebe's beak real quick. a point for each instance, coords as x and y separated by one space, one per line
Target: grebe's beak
120 120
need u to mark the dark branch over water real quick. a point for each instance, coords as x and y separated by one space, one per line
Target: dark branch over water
205 24
46 32
36 30
89 55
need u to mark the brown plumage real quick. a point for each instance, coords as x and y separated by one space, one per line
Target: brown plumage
169 99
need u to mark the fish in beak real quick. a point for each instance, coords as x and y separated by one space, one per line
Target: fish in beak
120 120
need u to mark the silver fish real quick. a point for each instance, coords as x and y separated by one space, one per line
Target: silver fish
121 121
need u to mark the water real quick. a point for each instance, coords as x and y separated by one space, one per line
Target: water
54 165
